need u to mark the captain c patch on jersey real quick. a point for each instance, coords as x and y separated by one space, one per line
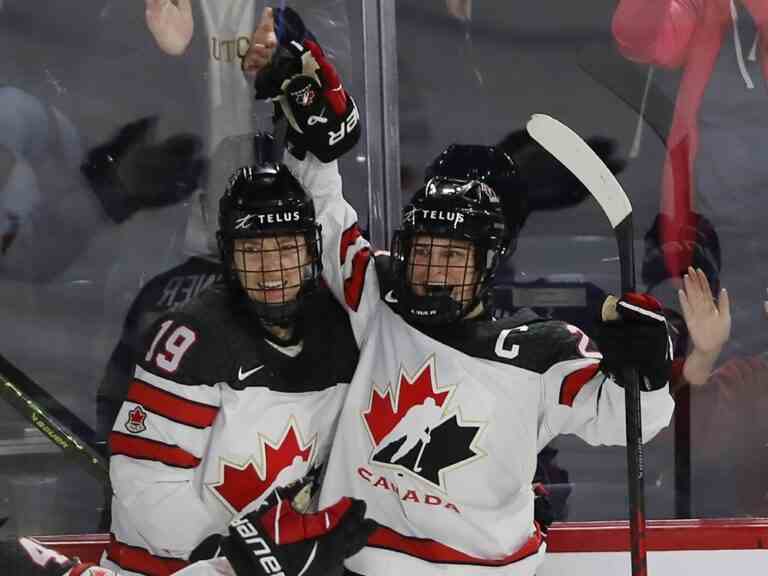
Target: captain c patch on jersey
414 428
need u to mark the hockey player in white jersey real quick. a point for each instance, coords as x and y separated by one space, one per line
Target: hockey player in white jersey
460 501
223 411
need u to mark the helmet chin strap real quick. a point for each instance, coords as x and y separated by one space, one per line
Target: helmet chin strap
476 311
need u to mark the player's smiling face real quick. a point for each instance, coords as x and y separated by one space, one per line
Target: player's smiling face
270 268
437 263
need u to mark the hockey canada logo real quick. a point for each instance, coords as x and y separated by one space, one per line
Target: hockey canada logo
413 427
136 419
280 464
305 97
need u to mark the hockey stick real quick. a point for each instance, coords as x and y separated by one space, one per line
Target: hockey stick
73 436
571 151
417 465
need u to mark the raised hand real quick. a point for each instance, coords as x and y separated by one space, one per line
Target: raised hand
171 24
708 321
460 9
263 44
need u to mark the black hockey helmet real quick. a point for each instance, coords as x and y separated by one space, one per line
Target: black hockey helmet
265 202
494 167
463 199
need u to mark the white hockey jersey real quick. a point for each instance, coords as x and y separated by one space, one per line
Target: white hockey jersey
440 437
215 418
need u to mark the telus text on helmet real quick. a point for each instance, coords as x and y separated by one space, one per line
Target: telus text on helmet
246 222
440 215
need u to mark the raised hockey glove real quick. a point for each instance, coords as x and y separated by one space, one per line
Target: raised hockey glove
322 117
133 171
638 338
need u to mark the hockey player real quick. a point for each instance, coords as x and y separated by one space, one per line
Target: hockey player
460 501
236 394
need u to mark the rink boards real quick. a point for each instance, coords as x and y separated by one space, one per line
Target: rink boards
676 547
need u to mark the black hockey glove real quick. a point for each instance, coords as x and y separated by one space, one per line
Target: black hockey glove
277 539
550 185
322 117
638 339
132 171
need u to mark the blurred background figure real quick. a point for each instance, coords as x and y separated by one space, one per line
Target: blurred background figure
213 37
729 444
95 131
209 39
714 163
55 196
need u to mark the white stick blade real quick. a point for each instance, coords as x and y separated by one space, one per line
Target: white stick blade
576 155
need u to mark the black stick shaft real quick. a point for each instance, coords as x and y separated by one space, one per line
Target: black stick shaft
634 424
75 438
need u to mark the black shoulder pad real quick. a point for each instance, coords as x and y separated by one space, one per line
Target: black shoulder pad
535 344
188 345
383 261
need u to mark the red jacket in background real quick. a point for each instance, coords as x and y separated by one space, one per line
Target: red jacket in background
688 34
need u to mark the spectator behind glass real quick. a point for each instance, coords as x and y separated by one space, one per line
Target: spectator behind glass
714 158
54 195
730 449
211 38
703 326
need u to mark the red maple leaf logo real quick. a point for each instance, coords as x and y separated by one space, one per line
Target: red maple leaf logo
136 419
386 410
241 485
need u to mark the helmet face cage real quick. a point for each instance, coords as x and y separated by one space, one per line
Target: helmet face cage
448 250
276 270
271 246
448 265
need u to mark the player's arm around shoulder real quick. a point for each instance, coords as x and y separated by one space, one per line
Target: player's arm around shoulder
290 69
293 72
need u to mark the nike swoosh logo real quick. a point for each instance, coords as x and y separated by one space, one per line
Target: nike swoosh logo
243 375
390 297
